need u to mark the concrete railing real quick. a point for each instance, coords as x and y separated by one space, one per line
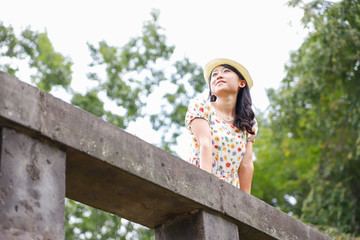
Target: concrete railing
51 150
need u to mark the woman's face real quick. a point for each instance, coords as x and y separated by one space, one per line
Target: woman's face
225 81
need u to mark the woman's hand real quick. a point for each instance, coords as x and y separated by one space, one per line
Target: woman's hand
201 130
246 169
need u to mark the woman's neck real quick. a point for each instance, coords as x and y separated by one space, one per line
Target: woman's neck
225 107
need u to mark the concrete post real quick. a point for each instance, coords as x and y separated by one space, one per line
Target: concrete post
32 188
197 226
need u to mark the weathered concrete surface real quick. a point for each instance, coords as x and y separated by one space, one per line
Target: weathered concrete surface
32 188
110 169
199 225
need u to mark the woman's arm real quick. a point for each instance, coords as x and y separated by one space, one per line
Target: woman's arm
246 169
201 130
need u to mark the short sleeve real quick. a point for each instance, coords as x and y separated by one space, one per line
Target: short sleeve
251 137
198 108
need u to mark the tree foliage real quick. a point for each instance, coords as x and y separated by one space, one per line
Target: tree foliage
311 139
51 68
84 222
134 71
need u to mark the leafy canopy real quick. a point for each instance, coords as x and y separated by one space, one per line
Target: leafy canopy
309 150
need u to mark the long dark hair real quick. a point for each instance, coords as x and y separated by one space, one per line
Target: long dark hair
244 115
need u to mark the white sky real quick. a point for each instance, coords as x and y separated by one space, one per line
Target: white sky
259 33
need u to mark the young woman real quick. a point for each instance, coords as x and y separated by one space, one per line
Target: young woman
223 126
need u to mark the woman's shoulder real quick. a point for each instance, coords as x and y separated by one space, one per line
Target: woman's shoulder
199 107
255 128
201 100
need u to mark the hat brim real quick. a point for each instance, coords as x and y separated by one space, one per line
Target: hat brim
209 67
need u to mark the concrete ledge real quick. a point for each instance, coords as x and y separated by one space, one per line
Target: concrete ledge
109 169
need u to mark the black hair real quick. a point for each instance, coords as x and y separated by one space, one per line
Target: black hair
244 115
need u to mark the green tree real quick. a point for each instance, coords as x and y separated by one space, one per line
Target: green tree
135 70
130 75
84 222
51 68
312 138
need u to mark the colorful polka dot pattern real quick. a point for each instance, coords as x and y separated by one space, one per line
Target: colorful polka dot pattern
228 142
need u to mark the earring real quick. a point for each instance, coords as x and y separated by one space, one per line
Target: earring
212 98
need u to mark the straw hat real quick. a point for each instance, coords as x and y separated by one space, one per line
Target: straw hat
219 61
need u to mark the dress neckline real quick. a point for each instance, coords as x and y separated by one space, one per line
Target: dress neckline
217 116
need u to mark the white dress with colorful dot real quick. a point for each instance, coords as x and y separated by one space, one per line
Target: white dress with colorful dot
228 142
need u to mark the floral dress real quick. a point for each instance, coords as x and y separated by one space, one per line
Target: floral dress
228 142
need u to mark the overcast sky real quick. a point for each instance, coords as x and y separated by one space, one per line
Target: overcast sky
260 34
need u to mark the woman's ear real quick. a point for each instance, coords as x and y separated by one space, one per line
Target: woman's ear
242 83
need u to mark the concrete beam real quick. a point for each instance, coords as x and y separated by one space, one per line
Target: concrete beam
109 169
